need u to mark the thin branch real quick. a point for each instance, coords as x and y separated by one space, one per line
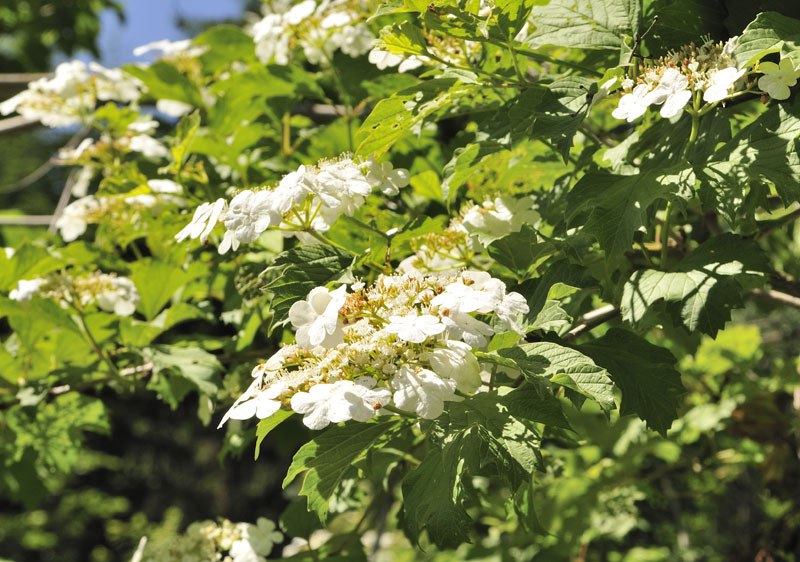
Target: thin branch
22 78
591 320
16 122
777 297
26 220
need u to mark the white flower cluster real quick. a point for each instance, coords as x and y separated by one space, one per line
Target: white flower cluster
318 28
79 214
672 81
109 292
310 199
70 96
404 343
210 541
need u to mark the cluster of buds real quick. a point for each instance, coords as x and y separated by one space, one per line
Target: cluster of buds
310 199
110 292
406 343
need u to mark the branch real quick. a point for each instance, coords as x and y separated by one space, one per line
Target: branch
591 320
776 297
16 122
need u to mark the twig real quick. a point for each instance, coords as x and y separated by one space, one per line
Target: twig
16 122
591 320
776 296
26 220
25 78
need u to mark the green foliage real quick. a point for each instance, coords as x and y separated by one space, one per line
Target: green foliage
619 382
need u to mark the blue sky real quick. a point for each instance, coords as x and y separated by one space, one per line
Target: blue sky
151 20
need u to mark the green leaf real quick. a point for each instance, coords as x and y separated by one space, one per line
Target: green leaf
551 318
520 251
651 387
156 282
185 133
298 270
197 367
266 425
394 117
164 81
404 38
55 430
614 207
535 402
462 166
683 21
327 458
226 44
770 32
584 24
564 366
767 149
431 497
704 287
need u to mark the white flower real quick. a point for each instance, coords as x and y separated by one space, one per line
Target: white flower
148 147
300 12
249 214
778 78
257 540
256 402
293 188
422 391
386 177
352 41
73 154
336 19
456 361
271 37
462 326
114 84
383 59
344 185
72 222
413 328
203 221
9 252
500 217
120 297
81 185
144 126
26 289
633 105
720 84
673 92
341 401
170 48
483 294
164 186
510 309
173 108
316 319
